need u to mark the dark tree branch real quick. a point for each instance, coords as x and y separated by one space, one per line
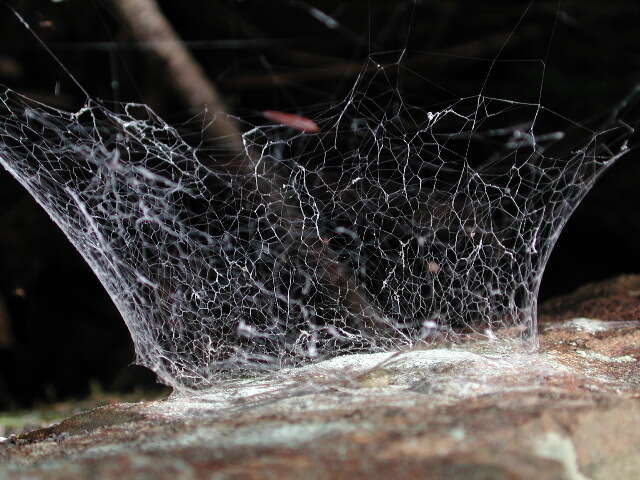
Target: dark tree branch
484 47
6 337
149 26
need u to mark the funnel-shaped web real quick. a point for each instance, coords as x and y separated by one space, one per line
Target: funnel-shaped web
389 226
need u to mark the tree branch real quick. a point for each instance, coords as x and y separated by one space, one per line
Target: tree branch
6 338
148 25
472 49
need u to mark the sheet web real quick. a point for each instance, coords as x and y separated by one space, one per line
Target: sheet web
390 226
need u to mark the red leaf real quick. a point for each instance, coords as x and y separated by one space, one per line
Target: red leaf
290 120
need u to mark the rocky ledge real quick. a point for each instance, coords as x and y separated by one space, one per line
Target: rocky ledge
569 411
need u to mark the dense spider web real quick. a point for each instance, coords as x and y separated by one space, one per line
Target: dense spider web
391 226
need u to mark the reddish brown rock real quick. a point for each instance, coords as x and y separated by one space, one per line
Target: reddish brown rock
570 411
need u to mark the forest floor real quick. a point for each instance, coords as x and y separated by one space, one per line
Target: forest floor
569 411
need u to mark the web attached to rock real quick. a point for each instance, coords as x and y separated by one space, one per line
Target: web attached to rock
390 226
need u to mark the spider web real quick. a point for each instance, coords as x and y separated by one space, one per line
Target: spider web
391 226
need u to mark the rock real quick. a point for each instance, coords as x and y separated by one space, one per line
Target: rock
486 411
614 299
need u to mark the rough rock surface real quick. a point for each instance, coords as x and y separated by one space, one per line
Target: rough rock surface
569 411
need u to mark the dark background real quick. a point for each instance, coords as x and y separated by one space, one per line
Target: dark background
64 333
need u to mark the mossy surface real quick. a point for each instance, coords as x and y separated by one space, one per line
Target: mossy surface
19 421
